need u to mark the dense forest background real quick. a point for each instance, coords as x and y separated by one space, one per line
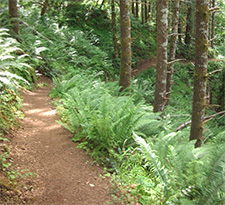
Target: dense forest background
127 77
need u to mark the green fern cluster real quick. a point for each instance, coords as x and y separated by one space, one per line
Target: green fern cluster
63 48
102 117
14 73
190 176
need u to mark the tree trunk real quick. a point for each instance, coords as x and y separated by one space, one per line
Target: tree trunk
179 31
44 8
146 11
222 97
212 24
173 47
162 41
142 11
125 65
200 73
188 32
137 12
13 13
114 31
103 2
133 9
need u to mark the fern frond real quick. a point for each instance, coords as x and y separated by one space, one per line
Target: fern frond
160 170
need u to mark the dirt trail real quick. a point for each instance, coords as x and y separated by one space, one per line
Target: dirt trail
44 147
143 65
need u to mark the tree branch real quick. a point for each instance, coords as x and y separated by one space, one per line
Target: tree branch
215 71
205 118
214 9
178 34
174 61
34 30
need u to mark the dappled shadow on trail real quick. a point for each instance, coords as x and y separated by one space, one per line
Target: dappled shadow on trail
64 174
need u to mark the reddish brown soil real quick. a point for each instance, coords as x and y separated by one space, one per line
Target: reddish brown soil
65 174
143 65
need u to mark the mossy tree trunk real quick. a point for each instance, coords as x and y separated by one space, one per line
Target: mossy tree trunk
114 31
44 8
200 73
173 47
13 14
212 24
125 28
189 23
142 11
161 70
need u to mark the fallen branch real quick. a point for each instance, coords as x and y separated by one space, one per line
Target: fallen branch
205 118
34 30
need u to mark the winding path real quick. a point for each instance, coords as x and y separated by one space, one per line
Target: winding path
65 174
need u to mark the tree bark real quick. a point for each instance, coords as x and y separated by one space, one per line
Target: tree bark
200 73
114 31
212 24
142 11
188 32
125 28
44 8
162 41
146 11
222 89
173 47
13 14
132 8
137 10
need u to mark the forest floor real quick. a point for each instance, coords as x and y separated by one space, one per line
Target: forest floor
64 174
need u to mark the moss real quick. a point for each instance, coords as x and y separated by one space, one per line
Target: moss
204 12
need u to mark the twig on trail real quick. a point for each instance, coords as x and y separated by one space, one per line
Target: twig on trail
34 30
205 118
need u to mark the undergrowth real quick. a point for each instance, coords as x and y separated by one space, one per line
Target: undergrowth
149 161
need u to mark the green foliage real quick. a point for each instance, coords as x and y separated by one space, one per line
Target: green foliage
101 116
14 73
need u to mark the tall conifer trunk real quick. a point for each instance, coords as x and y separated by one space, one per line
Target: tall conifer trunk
125 65
173 47
188 31
137 9
114 31
13 13
200 73
212 24
162 41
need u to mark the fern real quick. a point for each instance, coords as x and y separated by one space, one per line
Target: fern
214 187
149 154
